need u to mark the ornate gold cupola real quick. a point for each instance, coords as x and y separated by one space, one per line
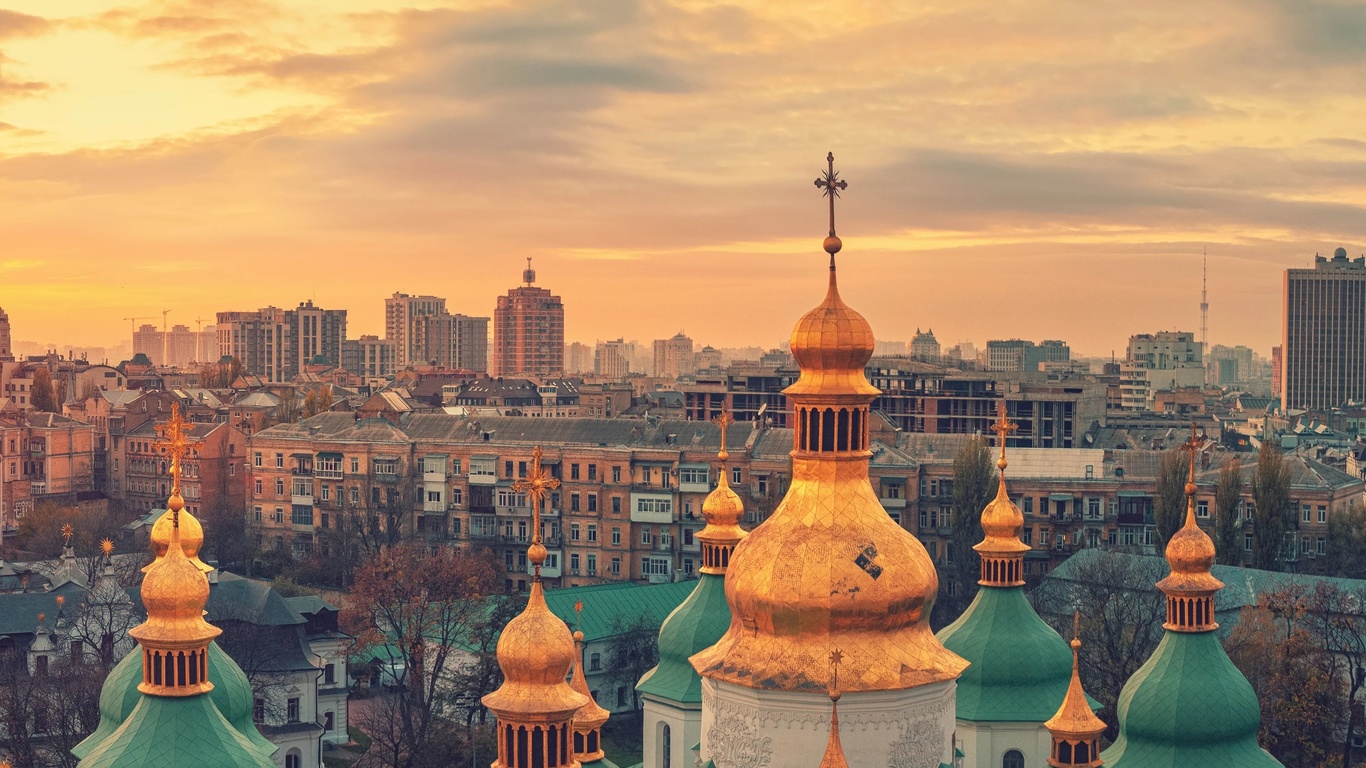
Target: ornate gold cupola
1075 728
535 706
722 510
1001 550
175 638
830 567
590 718
1190 586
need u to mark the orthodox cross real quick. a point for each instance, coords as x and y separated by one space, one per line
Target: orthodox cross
175 442
578 615
535 485
831 184
836 658
1003 427
1191 446
723 421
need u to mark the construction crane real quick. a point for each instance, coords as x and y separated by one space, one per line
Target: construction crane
132 323
165 337
199 324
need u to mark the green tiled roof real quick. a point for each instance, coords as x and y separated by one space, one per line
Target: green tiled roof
172 732
231 694
1188 706
1020 667
602 604
695 625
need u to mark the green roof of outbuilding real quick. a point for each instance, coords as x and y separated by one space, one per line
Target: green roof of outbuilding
1020 667
695 625
231 694
171 732
604 603
1186 706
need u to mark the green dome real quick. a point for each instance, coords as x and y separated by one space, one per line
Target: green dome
171 732
1020 667
1188 705
117 698
231 694
695 625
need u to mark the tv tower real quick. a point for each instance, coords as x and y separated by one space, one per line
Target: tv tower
1204 310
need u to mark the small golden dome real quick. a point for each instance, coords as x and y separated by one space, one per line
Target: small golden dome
722 508
191 534
536 653
174 593
832 344
1190 554
1002 522
1075 720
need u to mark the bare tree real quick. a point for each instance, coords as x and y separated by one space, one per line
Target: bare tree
1228 494
974 482
1274 509
1169 506
632 651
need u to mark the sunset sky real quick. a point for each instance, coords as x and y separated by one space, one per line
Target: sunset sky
1044 169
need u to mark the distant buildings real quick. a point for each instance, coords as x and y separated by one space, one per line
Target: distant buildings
612 359
1012 355
277 344
528 331
147 340
1323 344
406 326
6 349
370 357
579 358
42 456
924 346
1159 361
673 356
424 333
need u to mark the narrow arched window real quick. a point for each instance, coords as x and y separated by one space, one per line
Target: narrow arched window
1013 759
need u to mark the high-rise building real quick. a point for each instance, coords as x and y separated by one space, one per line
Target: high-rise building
611 359
465 342
1158 361
369 357
1323 343
1276 365
147 340
528 331
925 346
579 358
278 343
182 346
206 345
6 351
673 357
406 325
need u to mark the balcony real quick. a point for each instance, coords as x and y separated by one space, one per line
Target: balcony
889 503
482 478
301 500
437 477
328 474
301 471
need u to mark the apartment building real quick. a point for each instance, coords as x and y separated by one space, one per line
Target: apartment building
214 471
277 344
43 456
1323 343
528 331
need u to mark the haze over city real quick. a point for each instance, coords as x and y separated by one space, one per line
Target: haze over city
1037 171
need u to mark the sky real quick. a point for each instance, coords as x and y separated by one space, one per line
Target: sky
1040 169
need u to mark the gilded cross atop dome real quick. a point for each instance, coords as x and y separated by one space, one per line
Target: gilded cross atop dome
1190 586
831 185
176 443
537 483
723 421
1003 428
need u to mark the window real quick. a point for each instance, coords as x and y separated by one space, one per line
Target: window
687 537
455 467
1247 542
279 461
521 469
256 513
592 532
355 464
665 747
1028 506
736 476
695 476
327 721
355 495
1304 513
330 674
327 492
432 496
645 536
573 471
457 496
616 474
1013 759
1323 513
1304 545
259 487
592 471
595 662
1320 546
592 565
256 459
621 696
1202 509
258 711
616 505
573 531
385 466
592 502
294 759
1027 535
574 562
616 566
279 486
616 536
1043 536
1093 509
301 514
573 502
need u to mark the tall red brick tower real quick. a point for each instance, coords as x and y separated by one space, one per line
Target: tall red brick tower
528 331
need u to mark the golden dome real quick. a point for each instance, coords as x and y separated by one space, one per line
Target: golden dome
830 568
1002 522
590 715
191 536
722 509
832 344
1190 553
1075 719
535 652
174 593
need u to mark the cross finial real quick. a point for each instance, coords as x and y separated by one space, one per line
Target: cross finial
174 442
1003 428
831 185
836 658
67 532
535 485
1191 446
723 421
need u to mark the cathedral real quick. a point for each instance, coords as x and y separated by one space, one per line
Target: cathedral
805 642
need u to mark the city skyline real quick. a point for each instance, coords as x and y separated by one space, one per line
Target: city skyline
178 143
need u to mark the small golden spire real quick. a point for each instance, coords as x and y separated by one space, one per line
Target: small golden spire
589 719
722 509
1075 728
1190 586
535 485
67 532
834 750
1001 550
107 547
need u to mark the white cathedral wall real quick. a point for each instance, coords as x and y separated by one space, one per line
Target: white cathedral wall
984 745
685 730
748 728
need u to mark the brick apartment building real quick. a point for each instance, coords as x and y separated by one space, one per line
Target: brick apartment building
43 456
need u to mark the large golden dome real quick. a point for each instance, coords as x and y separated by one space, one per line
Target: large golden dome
535 653
1190 554
830 569
174 594
1002 522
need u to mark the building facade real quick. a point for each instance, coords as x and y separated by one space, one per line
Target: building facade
528 331
611 359
277 344
1323 342
673 356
